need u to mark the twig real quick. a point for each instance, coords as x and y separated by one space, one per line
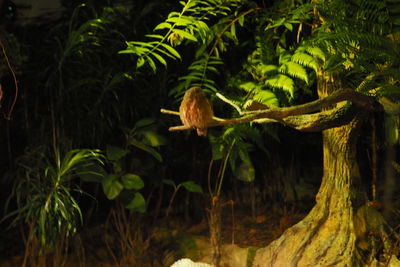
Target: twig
226 100
8 116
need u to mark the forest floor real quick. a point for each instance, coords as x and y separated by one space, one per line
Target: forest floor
109 245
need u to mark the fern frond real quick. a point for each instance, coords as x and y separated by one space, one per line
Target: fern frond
305 60
295 70
283 82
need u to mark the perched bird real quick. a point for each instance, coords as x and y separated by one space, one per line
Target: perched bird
195 110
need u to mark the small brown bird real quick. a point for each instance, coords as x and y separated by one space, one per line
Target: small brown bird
196 110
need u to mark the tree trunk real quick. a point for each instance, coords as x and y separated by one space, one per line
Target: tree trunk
326 236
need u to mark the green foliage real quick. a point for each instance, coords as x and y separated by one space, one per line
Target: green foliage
115 182
121 180
234 147
187 25
281 71
44 194
144 136
188 185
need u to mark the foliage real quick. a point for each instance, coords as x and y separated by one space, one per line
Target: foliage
44 194
120 179
188 25
188 185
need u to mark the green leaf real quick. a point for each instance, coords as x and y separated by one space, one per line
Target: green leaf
151 63
241 21
294 70
111 186
132 181
138 203
140 62
159 58
192 187
163 25
264 69
92 173
140 145
289 26
245 172
144 122
282 82
266 97
171 50
156 36
180 21
154 139
169 182
115 153
186 35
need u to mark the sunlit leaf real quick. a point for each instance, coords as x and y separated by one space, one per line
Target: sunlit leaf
180 21
186 35
171 50
159 58
140 62
282 82
294 70
163 25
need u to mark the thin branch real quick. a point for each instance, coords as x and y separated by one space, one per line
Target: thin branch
226 100
8 116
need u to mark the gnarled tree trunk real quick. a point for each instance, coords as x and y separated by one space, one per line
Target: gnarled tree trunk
326 236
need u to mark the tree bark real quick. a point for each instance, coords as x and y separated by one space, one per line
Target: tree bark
326 236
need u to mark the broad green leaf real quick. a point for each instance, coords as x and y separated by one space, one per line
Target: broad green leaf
245 172
154 139
115 153
289 26
144 122
140 145
111 186
92 173
169 182
192 187
132 181
137 203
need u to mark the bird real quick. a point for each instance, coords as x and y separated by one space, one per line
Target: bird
195 110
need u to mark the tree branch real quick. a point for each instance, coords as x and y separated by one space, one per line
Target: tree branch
299 117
